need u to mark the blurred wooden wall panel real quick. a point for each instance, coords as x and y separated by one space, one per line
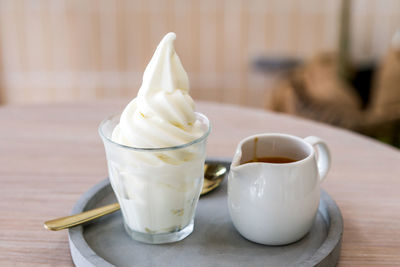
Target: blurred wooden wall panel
63 50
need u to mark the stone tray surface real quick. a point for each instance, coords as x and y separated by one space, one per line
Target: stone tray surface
214 241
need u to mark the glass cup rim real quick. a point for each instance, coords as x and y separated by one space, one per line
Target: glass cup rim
152 149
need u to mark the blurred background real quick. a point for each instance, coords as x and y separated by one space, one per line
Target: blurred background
332 61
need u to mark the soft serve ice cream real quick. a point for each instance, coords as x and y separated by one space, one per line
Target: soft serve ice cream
162 115
158 172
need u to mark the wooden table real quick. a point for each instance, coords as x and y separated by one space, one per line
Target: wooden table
51 154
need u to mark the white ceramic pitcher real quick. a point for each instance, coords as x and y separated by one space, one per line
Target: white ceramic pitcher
276 203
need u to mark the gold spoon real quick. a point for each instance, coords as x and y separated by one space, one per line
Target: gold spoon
214 173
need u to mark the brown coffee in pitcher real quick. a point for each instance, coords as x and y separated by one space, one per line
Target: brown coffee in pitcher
271 160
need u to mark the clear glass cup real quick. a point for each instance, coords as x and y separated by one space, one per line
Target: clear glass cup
157 188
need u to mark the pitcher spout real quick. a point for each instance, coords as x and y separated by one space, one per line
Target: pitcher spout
236 158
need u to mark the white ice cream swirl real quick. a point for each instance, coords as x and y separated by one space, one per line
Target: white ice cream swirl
162 114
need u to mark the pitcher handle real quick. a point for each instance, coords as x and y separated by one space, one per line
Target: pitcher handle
323 155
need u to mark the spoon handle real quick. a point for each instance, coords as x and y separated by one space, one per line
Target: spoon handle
73 220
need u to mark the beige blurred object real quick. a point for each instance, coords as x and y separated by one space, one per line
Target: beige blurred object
322 84
314 91
63 50
382 118
386 95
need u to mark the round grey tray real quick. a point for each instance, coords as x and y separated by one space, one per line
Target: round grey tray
214 241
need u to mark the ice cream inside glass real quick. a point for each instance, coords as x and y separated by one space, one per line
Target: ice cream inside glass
156 151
